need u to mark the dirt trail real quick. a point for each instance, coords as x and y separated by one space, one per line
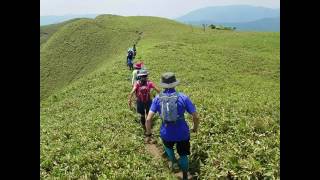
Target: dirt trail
154 151
157 153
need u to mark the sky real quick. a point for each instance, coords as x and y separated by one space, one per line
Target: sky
161 8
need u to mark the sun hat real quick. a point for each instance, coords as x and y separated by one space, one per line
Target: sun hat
168 80
143 72
137 65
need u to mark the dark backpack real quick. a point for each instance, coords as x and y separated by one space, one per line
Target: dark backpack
143 92
130 54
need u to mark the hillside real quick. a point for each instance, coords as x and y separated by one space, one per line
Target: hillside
47 31
87 130
79 47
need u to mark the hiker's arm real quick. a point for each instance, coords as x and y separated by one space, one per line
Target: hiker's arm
191 109
157 89
148 122
195 120
130 96
133 78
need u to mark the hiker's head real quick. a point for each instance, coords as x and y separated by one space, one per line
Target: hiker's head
144 78
168 80
143 75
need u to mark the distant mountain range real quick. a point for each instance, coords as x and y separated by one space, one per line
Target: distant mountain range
243 17
46 20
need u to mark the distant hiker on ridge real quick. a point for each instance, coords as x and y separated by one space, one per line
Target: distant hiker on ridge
142 90
134 51
130 59
171 106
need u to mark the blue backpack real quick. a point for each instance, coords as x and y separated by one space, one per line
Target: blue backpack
169 107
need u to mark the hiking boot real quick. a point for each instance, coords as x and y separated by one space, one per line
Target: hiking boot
173 166
150 140
184 175
164 154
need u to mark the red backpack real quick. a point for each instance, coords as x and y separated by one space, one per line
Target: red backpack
143 92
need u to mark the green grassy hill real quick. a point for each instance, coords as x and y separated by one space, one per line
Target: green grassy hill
88 131
48 30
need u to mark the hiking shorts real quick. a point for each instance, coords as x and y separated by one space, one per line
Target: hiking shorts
142 107
183 147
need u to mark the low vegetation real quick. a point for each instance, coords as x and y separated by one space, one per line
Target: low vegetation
87 130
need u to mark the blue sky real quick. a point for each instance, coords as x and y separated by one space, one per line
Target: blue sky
161 8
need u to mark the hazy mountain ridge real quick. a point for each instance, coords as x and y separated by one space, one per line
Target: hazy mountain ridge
243 17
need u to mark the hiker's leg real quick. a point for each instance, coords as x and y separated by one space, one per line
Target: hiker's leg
131 64
184 164
147 107
143 121
141 111
183 148
145 114
168 148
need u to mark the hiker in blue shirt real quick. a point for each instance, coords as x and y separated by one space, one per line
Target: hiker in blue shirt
130 58
171 107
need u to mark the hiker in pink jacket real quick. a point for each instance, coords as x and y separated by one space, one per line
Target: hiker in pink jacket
142 89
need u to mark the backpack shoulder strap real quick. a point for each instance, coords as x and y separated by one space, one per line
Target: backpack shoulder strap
179 96
138 84
161 94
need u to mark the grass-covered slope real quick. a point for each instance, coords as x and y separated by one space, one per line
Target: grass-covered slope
48 30
233 78
79 47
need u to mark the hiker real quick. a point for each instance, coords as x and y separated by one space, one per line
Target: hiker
130 59
137 66
142 89
134 51
174 129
